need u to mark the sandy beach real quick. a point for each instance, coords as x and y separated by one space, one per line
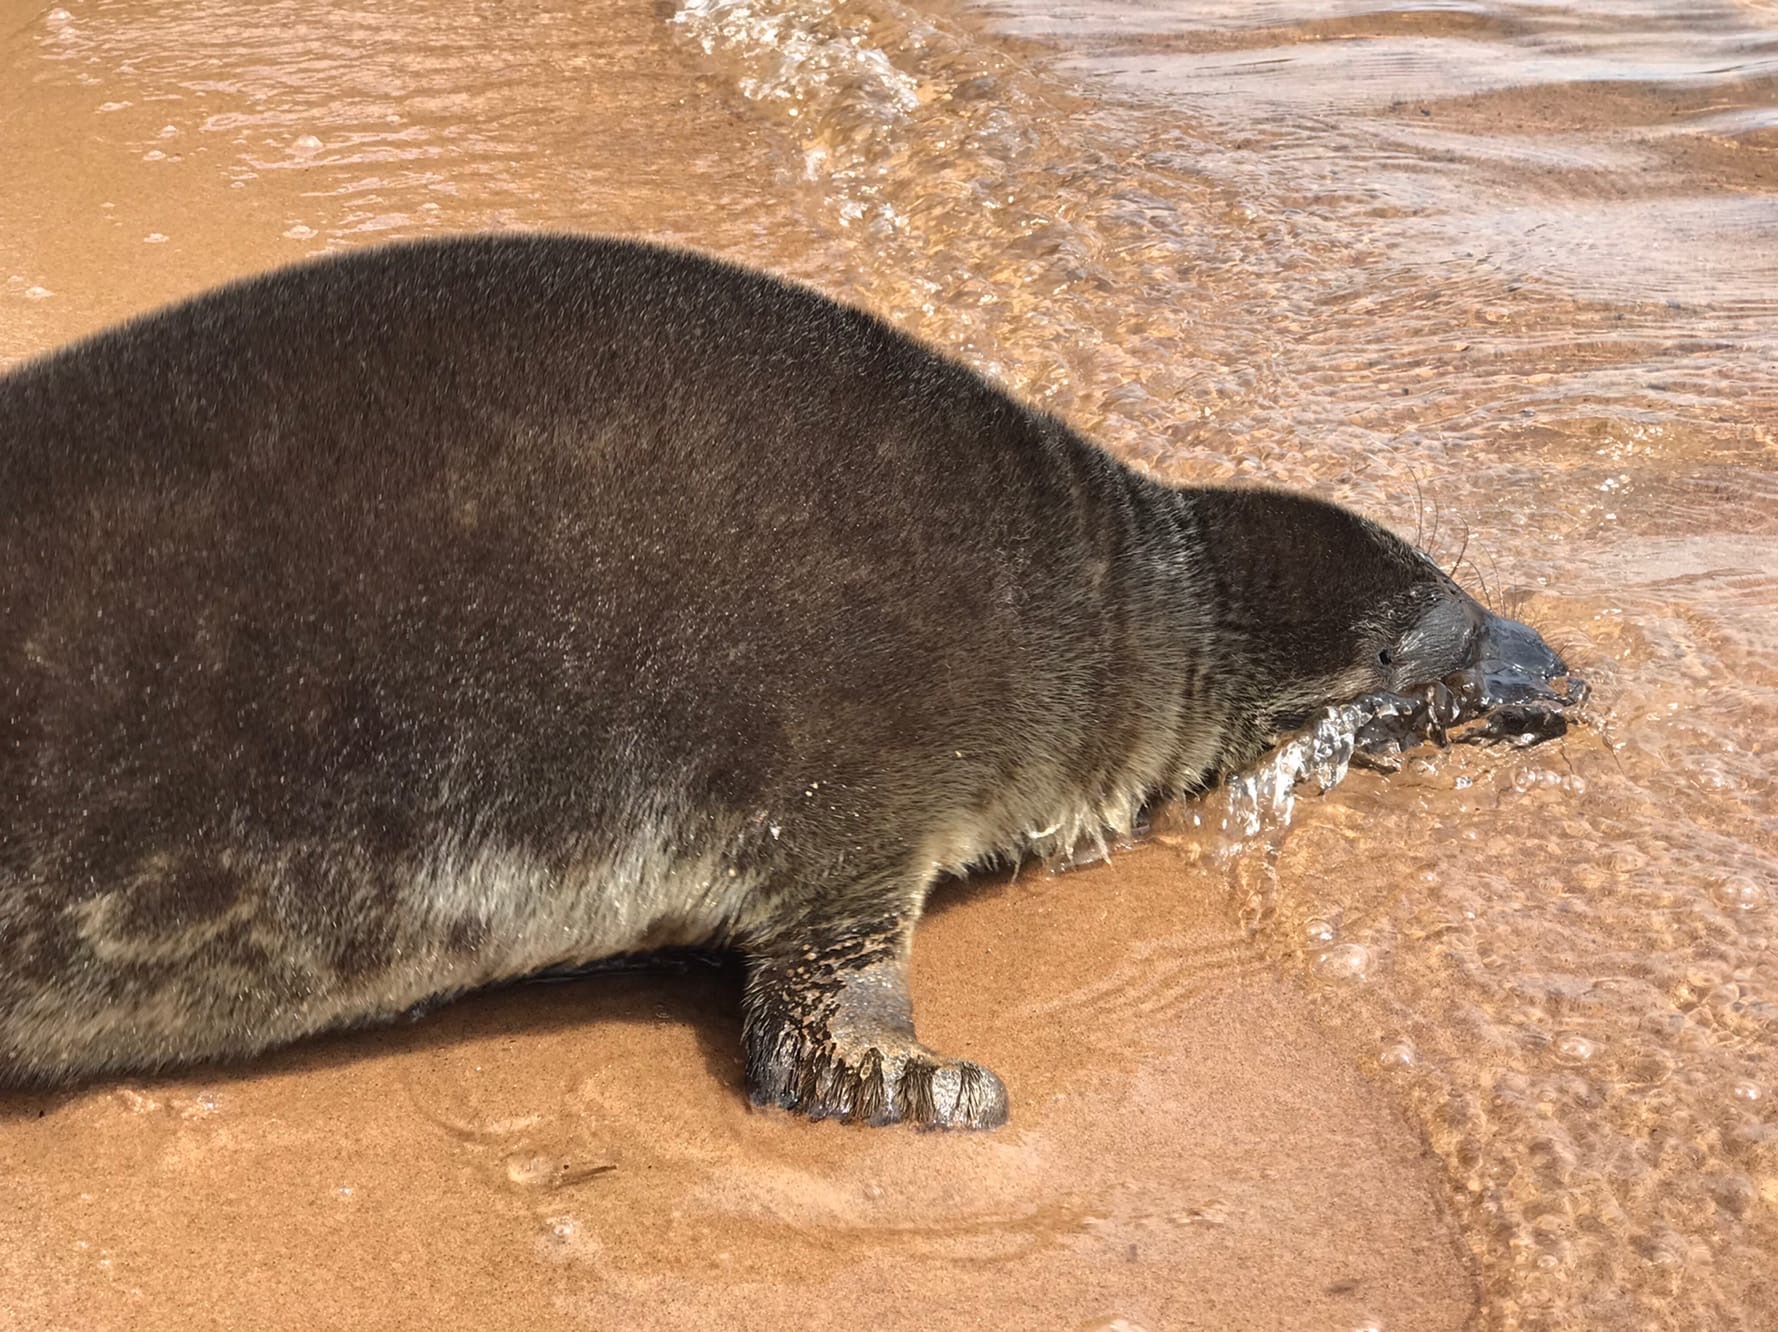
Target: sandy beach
1491 1042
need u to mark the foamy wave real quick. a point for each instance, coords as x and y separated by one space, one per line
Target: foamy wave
799 55
996 206
1264 797
1243 822
872 91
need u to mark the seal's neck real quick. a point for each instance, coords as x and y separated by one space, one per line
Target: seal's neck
1181 686
1259 603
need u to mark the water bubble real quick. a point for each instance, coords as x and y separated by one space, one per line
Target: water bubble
1748 1091
155 238
1739 894
201 1106
1320 930
1398 1053
298 232
1348 961
566 1239
1573 1048
306 145
531 1170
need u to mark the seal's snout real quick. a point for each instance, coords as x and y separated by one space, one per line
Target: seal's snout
1509 685
1512 663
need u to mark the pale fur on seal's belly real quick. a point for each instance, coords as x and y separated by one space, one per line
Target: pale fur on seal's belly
524 916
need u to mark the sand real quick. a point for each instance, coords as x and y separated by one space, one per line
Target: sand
1188 1149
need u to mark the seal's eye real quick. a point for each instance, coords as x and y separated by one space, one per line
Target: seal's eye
1385 657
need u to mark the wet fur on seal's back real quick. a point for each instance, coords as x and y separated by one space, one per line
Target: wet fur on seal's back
392 625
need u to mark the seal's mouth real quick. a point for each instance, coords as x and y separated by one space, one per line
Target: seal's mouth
1515 689
1511 664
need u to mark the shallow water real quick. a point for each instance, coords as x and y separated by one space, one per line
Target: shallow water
1493 1037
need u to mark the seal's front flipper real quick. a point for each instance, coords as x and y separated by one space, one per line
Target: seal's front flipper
830 1033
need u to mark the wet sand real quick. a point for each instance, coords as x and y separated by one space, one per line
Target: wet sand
1190 1149
1490 1041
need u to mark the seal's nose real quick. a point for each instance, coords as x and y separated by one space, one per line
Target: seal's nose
1515 664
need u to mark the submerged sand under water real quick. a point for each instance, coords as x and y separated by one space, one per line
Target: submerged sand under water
1488 1041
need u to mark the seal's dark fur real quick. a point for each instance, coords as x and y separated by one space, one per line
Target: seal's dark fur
401 622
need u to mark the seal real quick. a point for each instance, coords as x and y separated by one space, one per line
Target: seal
405 622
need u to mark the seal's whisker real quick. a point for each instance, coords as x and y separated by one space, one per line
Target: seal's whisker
1563 646
1464 557
1487 592
1462 550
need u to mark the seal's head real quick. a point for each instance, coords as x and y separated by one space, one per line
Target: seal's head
1328 607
